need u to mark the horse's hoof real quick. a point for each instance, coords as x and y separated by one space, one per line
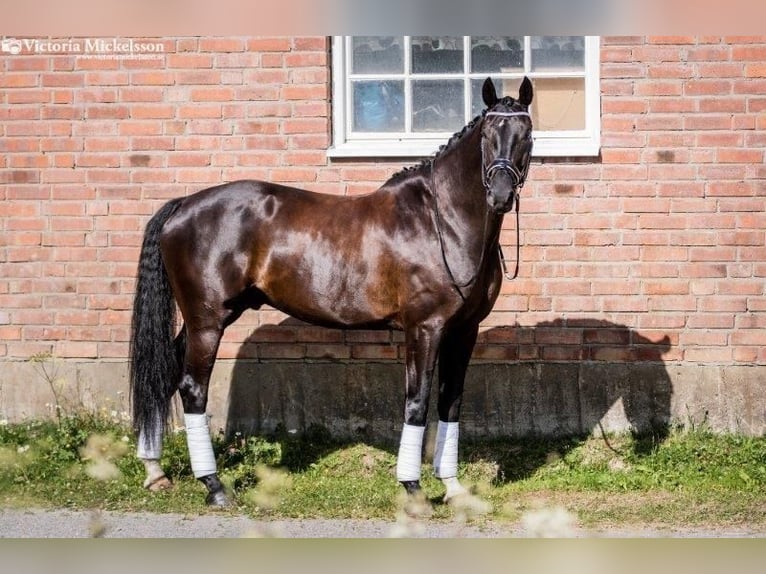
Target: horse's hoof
161 483
454 489
217 499
411 486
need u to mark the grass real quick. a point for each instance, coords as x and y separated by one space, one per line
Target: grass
678 479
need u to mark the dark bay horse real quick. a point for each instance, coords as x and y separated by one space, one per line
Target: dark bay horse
420 254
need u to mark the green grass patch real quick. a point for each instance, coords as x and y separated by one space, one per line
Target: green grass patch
675 479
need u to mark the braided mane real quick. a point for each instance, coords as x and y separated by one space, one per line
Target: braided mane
451 142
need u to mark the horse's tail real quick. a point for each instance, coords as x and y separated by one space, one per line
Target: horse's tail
154 359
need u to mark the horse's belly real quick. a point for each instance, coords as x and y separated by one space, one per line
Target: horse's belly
330 296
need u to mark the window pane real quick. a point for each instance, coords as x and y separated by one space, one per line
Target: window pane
559 104
378 106
558 52
503 88
377 55
437 54
497 53
437 105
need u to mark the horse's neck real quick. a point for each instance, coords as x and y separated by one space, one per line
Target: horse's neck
468 229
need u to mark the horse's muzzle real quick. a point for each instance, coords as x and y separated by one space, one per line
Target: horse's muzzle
502 181
503 206
502 191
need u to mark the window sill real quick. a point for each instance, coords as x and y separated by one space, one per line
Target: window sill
574 147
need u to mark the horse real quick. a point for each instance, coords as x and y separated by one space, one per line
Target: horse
419 254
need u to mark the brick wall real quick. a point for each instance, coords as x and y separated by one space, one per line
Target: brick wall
654 251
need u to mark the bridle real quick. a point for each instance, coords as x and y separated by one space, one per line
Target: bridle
504 164
519 178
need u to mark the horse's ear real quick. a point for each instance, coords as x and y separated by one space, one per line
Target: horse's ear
525 92
488 93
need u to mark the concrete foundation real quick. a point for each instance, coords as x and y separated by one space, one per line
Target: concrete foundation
366 400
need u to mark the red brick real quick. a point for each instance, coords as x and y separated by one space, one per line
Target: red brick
659 88
188 159
734 105
152 78
708 354
152 112
740 155
19 80
722 304
316 43
305 59
708 53
212 94
753 53
683 40
304 92
711 321
189 60
304 125
264 44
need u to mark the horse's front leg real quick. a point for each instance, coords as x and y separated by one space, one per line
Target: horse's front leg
456 351
422 343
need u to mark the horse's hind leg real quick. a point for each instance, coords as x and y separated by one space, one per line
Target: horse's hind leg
456 351
201 348
150 447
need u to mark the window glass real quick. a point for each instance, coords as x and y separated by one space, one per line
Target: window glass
437 54
492 54
377 55
556 53
378 106
437 105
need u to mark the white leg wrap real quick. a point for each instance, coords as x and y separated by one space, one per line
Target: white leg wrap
150 447
200 445
410 453
445 452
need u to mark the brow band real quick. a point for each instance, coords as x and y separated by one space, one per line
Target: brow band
509 114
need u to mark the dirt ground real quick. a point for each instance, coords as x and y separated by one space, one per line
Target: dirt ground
38 523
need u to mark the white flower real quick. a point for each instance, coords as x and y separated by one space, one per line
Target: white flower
22 449
3 422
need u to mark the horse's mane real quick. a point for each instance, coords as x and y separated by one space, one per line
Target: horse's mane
451 142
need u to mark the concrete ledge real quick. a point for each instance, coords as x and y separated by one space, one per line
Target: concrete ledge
366 400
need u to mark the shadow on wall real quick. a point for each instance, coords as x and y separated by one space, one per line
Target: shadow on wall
555 379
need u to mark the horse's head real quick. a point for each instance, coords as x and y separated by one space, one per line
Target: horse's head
506 145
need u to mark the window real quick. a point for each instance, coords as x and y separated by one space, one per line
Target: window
405 95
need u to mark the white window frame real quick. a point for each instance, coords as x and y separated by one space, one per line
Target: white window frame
569 143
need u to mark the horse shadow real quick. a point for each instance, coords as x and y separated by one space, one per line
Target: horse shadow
527 388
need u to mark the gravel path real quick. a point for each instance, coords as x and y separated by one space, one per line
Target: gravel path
37 523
